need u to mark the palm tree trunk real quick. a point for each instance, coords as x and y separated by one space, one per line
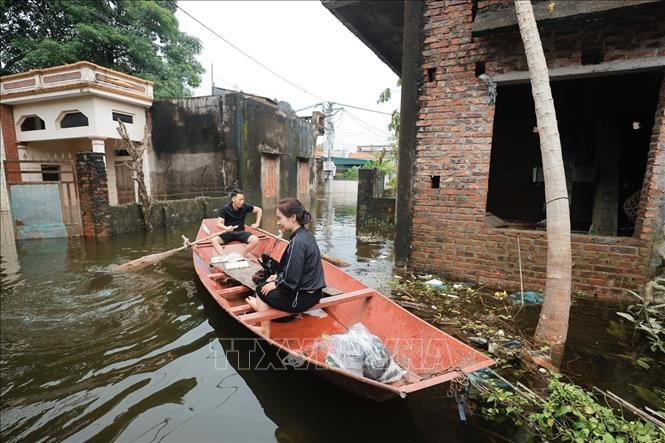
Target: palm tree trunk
553 323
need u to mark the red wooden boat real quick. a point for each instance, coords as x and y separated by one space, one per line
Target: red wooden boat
430 356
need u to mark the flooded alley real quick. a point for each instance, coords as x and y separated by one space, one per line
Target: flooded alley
87 354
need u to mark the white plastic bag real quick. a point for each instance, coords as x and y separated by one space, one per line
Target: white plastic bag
363 353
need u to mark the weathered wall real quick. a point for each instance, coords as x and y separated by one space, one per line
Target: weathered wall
190 155
262 128
165 213
370 203
454 140
209 145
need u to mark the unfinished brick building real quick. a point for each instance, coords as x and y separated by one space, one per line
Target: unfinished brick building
470 179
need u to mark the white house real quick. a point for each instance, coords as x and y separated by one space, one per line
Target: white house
56 112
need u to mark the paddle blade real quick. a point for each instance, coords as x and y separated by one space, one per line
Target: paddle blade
146 260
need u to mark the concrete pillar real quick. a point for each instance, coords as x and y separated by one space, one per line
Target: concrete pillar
411 56
370 184
605 219
4 189
99 146
9 142
650 223
93 195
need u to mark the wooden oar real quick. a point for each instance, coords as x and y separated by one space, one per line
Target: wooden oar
148 260
329 258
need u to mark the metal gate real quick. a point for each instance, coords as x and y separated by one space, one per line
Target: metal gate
43 195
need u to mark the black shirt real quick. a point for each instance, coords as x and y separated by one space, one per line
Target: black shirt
301 263
232 217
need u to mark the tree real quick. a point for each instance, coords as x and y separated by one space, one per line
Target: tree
136 37
136 152
552 326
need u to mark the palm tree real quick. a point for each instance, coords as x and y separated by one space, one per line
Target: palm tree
553 323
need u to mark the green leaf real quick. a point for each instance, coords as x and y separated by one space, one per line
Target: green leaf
643 362
565 409
626 316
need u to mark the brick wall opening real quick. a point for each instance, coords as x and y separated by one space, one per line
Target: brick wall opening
604 152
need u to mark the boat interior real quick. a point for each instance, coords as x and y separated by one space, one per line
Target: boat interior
423 350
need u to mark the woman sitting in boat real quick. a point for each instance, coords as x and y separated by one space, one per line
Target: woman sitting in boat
299 285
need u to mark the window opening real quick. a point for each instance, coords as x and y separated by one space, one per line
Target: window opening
431 72
436 181
74 120
32 123
604 155
480 68
592 56
121 117
50 173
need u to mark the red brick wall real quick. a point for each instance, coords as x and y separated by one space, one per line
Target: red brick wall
93 195
454 140
9 140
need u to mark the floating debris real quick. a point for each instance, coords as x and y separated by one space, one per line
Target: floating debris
530 298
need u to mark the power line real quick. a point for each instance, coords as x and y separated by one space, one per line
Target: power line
367 126
362 109
247 55
273 72
348 106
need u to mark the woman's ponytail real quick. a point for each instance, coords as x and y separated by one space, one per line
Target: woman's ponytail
306 217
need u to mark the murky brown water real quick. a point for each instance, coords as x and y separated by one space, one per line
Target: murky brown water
87 354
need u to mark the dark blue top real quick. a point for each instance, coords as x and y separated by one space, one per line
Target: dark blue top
232 217
301 263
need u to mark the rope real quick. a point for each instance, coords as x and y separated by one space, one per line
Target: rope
555 199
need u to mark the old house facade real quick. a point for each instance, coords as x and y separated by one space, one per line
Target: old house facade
48 117
210 145
470 181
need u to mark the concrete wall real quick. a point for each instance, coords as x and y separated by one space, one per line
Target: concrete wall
190 156
127 218
97 109
454 141
209 145
371 203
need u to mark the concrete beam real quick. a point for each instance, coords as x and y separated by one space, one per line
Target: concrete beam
493 20
582 71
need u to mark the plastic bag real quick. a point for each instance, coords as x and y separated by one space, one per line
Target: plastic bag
363 353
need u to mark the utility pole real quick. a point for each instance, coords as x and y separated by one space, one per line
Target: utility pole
212 78
329 167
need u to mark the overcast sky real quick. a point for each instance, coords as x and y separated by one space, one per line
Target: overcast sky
302 42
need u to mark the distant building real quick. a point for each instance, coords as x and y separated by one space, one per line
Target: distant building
206 146
375 148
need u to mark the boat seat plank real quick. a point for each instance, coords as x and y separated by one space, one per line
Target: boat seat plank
271 314
242 309
233 291
329 290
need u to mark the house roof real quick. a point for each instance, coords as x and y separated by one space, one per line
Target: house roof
377 23
74 80
362 155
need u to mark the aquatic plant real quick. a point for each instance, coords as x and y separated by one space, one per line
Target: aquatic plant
566 413
648 317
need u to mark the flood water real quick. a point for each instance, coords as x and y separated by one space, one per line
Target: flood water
149 356
88 354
